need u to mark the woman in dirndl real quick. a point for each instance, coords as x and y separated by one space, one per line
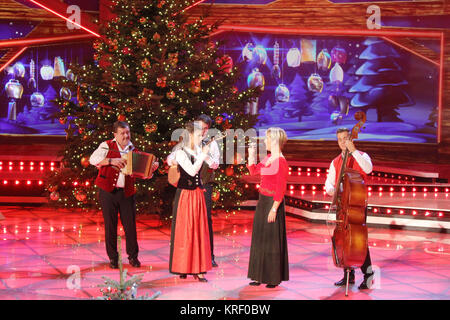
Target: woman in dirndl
190 252
268 262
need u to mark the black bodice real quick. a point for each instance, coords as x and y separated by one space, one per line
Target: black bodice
187 181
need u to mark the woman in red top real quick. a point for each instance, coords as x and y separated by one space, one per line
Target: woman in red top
268 252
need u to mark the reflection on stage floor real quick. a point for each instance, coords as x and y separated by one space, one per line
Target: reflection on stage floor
41 247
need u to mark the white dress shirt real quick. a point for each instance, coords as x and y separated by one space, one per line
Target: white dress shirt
100 154
183 160
363 161
212 159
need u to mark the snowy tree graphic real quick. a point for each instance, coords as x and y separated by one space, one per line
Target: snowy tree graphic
381 85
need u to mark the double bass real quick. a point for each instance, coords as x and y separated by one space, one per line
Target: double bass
349 239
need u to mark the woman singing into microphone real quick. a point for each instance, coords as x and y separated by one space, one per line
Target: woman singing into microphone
190 251
268 252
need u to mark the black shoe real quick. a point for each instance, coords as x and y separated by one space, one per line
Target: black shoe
343 281
114 264
183 276
367 282
214 264
201 279
134 262
271 286
254 283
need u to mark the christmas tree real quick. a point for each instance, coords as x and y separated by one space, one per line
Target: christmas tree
124 289
155 70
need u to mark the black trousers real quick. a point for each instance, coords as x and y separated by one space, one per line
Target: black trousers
112 203
208 193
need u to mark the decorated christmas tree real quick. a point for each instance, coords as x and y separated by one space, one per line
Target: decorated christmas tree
155 70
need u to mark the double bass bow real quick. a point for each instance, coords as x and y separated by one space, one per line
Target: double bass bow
349 239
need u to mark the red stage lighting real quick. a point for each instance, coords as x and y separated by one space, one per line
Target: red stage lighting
12 59
63 17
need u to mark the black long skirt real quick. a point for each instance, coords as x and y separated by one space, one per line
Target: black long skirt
268 252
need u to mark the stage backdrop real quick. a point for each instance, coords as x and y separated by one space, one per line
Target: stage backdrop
29 85
311 85
314 84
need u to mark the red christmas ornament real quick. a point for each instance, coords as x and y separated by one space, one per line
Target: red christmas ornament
126 50
121 117
225 63
145 63
215 196
156 36
142 42
147 92
195 86
182 111
339 55
151 127
219 119
80 196
229 171
173 59
170 94
54 196
161 82
204 76
85 162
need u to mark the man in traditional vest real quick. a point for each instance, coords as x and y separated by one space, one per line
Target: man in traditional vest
206 174
361 162
116 193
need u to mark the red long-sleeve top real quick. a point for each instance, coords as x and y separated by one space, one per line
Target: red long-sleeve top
273 177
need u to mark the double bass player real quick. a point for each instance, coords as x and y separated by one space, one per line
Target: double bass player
362 163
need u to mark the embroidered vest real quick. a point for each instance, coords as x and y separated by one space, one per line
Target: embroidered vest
351 163
108 175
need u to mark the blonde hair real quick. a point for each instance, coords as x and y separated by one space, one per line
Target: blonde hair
277 135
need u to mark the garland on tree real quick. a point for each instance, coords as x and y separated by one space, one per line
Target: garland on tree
156 71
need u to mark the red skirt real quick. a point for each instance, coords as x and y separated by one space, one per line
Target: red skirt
190 244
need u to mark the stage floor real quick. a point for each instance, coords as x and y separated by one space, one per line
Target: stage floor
40 248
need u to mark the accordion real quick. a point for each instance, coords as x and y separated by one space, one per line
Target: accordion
139 164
